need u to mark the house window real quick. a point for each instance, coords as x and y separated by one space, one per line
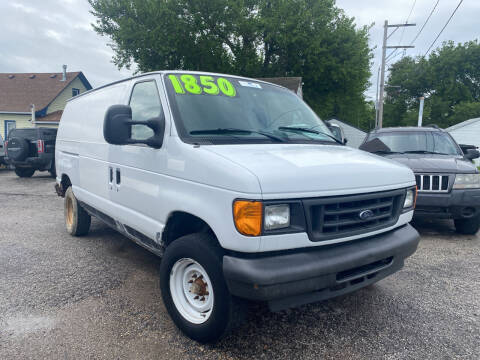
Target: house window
75 92
9 125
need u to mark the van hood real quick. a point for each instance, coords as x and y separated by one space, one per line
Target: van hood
315 168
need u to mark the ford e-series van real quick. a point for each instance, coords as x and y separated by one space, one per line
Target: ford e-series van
238 186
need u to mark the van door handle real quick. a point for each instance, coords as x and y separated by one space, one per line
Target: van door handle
110 178
117 176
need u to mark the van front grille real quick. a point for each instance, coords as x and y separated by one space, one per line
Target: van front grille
343 216
432 183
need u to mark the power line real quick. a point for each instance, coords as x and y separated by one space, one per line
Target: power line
403 30
390 58
441 31
425 23
385 46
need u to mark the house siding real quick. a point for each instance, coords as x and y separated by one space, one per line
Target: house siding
353 135
468 134
21 121
61 100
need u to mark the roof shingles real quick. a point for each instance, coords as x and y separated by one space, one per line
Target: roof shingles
19 91
52 117
291 83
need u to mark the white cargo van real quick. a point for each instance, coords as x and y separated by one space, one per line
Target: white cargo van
241 189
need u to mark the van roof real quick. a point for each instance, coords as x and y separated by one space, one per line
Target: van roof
170 71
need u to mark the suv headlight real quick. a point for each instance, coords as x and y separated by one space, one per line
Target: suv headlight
277 217
410 198
466 181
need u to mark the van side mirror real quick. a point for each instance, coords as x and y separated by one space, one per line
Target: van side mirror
345 140
117 127
472 154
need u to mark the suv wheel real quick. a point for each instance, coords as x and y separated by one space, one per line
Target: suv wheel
77 220
194 290
467 226
52 170
24 172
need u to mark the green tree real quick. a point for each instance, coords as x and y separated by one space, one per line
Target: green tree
449 79
257 38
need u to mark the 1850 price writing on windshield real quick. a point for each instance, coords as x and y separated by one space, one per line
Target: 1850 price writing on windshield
205 84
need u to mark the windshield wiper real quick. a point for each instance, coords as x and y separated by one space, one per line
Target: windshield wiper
424 152
307 130
232 131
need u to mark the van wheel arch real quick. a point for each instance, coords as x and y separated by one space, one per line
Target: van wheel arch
65 182
62 188
181 223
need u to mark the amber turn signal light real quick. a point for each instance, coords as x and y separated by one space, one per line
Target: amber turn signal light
248 217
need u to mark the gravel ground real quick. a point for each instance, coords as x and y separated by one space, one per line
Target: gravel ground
98 297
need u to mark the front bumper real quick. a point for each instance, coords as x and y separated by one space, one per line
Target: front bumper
294 279
457 204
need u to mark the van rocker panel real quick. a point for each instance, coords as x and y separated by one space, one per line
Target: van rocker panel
317 274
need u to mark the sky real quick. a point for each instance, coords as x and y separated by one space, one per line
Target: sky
41 35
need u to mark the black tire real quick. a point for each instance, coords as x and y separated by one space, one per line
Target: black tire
77 220
17 149
227 312
24 172
467 226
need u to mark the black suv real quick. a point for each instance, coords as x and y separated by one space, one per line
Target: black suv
448 181
30 150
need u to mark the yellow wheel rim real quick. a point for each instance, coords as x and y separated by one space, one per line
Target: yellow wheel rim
69 216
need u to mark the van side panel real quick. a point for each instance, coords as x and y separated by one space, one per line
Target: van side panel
81 150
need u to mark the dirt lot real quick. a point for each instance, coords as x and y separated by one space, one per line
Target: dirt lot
98 297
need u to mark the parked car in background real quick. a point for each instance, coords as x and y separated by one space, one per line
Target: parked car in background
31 149
241 189
448 181
2 151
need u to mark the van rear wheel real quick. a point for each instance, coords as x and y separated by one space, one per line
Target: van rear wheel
77 220
194 290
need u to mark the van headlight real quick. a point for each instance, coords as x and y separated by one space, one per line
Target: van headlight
276 217
467 181
410 198
269 217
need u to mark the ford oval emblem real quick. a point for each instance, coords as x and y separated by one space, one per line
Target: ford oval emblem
365 214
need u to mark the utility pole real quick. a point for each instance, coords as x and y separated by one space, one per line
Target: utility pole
376 99
382 69
420 111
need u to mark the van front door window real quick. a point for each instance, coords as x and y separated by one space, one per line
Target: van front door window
145 104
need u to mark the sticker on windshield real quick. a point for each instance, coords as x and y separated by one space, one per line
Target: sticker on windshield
203 84
250 84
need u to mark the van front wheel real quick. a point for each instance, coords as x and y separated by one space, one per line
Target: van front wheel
77 220
194 290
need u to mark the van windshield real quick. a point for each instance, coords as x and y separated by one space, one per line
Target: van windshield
222 109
